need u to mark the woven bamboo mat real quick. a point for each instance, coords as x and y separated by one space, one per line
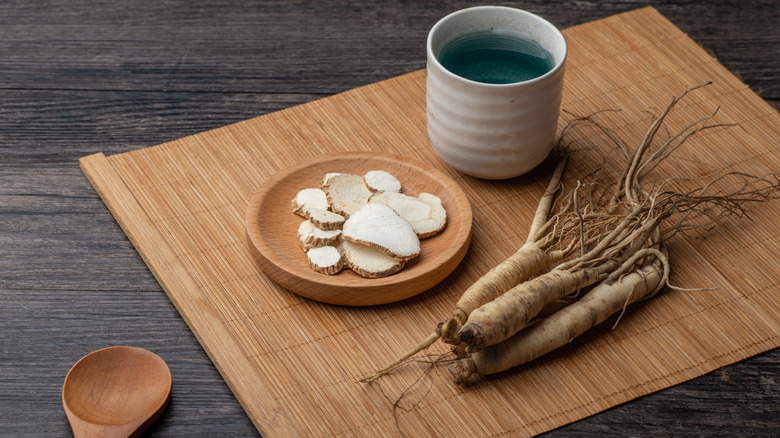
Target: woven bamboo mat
294 364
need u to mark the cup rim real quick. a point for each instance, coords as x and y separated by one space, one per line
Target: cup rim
557 67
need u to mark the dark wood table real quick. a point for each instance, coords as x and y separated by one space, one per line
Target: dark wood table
79 77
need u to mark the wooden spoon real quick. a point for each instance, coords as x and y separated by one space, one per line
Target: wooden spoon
116 392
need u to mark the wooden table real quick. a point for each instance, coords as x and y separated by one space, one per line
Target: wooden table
82 77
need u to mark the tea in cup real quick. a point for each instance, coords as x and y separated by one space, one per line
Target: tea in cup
494 89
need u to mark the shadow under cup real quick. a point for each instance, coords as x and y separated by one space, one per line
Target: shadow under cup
493 130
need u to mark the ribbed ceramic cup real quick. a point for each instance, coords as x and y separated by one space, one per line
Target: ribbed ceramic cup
493 131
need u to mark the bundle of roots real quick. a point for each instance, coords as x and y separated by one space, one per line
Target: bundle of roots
591 251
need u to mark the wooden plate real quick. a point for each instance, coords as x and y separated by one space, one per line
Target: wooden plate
272 228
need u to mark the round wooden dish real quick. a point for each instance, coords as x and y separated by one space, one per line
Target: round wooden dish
272 227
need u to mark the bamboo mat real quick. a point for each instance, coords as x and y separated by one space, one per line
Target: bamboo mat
294 364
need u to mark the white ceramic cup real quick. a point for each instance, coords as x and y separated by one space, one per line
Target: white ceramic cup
493 131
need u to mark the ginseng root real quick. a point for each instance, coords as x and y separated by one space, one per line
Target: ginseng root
606 235
560 328
530 259
520 266
501 318
511 312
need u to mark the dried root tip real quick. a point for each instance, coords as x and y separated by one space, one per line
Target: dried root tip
433 337
472 337
462 369
450 328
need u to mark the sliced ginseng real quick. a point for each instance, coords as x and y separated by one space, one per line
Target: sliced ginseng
325 259
424 213
346 193
309 198
309 235
327 178
378 226
369 262
381 181
324 219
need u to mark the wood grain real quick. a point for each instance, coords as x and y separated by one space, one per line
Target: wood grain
70 88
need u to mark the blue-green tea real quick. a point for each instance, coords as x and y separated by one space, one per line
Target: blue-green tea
495 57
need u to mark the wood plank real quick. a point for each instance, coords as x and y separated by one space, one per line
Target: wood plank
235 48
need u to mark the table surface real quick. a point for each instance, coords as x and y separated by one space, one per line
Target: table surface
81 77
